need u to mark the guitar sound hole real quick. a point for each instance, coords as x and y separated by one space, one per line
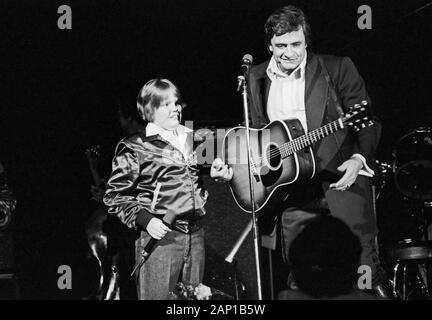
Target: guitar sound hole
273 156
271 172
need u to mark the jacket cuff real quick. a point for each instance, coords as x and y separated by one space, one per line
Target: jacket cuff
142 219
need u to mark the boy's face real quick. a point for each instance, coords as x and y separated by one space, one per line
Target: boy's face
168 114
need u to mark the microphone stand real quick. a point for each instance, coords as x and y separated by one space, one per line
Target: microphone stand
242 84
230 257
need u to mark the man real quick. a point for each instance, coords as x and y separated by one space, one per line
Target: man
116 253
130 123
316 89
155 175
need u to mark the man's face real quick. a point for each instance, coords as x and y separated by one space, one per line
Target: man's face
288 50
167 115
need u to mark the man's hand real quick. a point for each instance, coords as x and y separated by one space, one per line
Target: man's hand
157 229
351 167
220 171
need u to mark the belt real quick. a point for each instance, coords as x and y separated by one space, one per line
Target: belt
187 226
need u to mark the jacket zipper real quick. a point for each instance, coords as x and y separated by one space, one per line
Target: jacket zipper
155 196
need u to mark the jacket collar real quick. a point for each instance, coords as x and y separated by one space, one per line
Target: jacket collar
316 90
159 138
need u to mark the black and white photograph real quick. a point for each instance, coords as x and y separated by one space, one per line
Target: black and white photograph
242 151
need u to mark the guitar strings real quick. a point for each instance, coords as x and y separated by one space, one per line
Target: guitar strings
300 142
304 141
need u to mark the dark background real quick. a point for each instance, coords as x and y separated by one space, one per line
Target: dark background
59 90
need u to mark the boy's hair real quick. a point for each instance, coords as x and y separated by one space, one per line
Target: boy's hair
152 95
325 257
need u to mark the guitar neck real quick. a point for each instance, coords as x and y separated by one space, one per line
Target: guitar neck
306 140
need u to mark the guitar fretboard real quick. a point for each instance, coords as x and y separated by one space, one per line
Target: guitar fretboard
309 138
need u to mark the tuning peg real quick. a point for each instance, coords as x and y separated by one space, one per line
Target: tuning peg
364 103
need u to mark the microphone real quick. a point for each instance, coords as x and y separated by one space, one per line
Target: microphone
245 64
244 69
168 220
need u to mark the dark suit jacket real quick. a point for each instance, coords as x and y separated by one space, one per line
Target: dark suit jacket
321 108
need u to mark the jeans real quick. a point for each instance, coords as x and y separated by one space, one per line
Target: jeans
176 257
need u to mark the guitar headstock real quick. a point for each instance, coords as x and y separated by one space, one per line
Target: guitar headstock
358 117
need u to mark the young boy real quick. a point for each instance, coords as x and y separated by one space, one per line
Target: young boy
155 175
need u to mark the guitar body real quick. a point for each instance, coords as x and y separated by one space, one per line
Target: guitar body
272 176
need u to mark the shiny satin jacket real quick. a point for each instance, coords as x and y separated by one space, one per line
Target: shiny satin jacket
151 177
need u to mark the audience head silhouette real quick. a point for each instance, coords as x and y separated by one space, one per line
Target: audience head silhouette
325 257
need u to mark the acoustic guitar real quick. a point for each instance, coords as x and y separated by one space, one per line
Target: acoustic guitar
281 155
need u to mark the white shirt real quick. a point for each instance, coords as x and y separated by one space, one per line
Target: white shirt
286 97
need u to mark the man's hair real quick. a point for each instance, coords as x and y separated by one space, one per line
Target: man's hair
284 20
325 258
152 95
